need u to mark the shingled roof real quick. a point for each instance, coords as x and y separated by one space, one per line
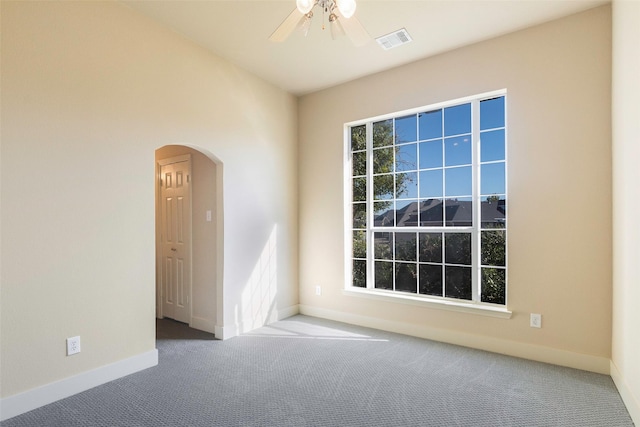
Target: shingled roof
431 213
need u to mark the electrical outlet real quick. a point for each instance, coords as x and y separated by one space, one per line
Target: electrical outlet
73 345
535 320
318 290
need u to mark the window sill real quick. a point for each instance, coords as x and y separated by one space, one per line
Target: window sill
440 304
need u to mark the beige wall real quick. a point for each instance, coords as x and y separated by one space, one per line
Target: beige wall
625 366
558 77
89 91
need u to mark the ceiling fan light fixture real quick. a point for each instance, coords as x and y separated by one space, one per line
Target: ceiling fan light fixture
305 6
305 23
346 7
338 12
335 26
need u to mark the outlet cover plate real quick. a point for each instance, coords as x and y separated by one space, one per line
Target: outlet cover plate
73 345
535 320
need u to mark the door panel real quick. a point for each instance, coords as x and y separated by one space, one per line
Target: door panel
176 241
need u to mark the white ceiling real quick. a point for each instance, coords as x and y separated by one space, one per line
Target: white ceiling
238 30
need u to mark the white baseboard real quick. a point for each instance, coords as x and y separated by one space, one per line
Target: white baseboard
29 400
288 312
202 324
480 342
223 333
247 325
631 402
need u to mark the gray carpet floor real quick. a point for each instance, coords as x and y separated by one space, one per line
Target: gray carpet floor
304 371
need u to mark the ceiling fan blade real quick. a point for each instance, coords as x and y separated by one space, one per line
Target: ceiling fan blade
288 25
355 31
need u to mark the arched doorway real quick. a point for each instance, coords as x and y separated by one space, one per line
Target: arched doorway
189 274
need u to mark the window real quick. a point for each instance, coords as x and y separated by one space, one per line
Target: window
427 201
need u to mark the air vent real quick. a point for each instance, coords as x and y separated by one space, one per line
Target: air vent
394 39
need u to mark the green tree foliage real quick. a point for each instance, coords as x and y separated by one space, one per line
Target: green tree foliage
384 157
493 253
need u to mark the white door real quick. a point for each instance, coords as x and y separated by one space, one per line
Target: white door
176 239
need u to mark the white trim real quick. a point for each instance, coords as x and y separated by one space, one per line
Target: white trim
288 311
631 402
436 106
249 324
439 303
203 324
481 342
29 400
475 230
223 332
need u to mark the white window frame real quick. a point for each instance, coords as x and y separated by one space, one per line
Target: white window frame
469 306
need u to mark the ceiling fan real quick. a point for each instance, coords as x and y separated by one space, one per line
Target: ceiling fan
341 20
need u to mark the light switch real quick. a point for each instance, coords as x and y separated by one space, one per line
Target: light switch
208 216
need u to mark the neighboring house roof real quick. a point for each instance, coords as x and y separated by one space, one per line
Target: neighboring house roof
431 213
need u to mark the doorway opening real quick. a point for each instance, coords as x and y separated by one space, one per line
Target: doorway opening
189 237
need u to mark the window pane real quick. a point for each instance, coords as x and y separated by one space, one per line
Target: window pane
360 273
383 133
383 187
458 282
406 129
405 246
359 215
492 113
457 181
431 184
494 211
493 285
359 189
430 247
383 214
384 275
457 248
383 160
358 138
406 277
407 157
492 146
431 154
431 279
492 247
457 151
425 184
430 124
359 244
457 120
359 163
431 213
492 178
383 246
407 213
407 185
458 212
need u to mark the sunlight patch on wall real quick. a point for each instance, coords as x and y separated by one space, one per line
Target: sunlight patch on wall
258 297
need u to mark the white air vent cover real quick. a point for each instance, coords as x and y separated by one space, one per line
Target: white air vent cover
394 39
